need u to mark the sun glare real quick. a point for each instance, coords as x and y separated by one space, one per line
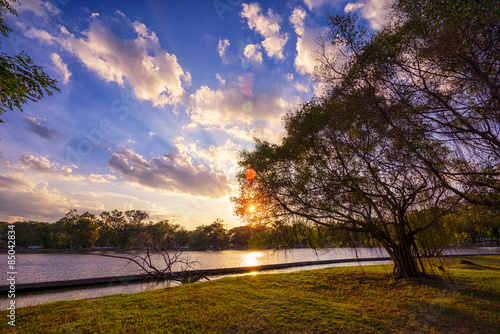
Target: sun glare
252 259
251 208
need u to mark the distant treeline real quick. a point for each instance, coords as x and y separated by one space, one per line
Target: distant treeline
133 229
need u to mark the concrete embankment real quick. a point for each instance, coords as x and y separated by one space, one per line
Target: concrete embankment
40 286
22 287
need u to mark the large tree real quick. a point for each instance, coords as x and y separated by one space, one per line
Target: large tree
410 118
341 166
440 62
21 80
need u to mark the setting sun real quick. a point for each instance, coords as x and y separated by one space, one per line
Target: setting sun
251 208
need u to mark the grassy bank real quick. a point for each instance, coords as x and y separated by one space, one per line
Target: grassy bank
343 300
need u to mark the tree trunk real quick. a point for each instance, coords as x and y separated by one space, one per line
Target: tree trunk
405 264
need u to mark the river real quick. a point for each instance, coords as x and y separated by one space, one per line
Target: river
43 267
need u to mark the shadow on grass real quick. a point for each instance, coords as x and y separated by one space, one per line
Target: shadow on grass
451 319
475 267
451 283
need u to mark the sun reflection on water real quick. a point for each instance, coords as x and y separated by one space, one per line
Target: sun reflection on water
252 259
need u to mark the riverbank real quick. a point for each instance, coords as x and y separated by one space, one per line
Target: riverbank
199 274
341 299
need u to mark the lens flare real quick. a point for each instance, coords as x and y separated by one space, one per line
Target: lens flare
250 173
246 88
247 106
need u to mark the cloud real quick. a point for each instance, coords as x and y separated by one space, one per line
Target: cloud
310 50
101 178
32 200
40 34
221 81
44 165
225 56
237 133
375 11
350 7
301 88
232 104
223 158
62 67
35 125
297 20
12 183
240 109
273 134
268 26
253 54
307 47
40 8
154 74
171 172
315 4
51 7
222 46
31 5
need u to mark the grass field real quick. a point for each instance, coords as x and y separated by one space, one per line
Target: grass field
333 300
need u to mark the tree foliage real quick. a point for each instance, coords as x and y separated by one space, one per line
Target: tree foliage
21 80
342 167
408 127
438 61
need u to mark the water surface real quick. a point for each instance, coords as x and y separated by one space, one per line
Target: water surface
53 267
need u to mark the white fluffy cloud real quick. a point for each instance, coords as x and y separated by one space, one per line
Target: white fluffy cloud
222 47
100 178
40 8
307 47
223 158
268 26
171 172
310 50
350 7
44 165
154 74
62 67
315 4
375 11
253 54
238 108
297 20
301 88
225 56
40 34
229 106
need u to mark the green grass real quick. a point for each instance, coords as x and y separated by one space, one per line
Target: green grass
333 300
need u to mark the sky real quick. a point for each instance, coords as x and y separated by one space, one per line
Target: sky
157 99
